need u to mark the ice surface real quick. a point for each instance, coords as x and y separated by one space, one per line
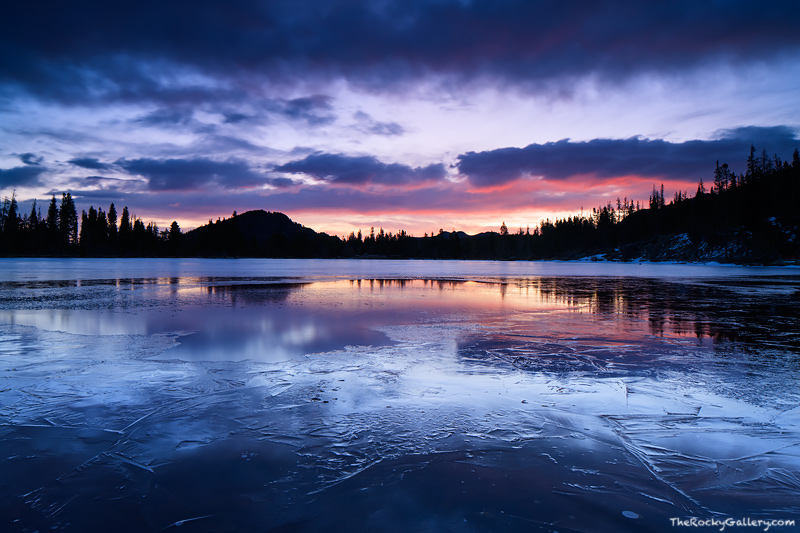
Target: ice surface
44 269
213 400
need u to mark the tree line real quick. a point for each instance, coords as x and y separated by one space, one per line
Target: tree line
59 232
753 216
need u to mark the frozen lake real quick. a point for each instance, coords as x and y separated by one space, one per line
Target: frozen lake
307 395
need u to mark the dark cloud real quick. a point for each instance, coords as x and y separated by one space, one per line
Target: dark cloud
31 159
225 143
109 183
386 128
434 198
90 163
101 197
235 118
282 183
620 157
350 170
102 187
191 174
99 179
315 109
172 116
301 150
21 176
774 138
367 124
91 48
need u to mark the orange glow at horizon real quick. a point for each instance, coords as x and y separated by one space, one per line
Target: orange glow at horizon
523 203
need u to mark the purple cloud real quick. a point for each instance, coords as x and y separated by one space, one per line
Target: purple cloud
21 176
169 117
367 124
87 49
188 174
31 159
90 163
314 110
606 158
351 170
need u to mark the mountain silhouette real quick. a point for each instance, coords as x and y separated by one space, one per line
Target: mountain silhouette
260 233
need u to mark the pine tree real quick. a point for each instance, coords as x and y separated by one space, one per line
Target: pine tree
112 222
752 165
85 238
125 230
174 232
33 218
50 224
67 221
717 179
766 163
11 224
52 216
657 198
101 228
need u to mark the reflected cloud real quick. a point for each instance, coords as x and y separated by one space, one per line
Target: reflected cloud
323 395
541 323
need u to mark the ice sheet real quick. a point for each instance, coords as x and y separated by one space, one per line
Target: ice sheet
535 404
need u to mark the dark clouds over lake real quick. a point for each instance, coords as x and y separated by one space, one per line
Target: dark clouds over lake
282 96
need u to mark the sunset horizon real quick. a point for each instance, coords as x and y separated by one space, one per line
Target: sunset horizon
420 117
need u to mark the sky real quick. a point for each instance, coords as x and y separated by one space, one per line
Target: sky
400 114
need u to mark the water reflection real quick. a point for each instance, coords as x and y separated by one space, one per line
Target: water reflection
280 318
497 403
721 310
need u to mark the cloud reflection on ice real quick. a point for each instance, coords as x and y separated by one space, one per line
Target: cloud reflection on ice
522 404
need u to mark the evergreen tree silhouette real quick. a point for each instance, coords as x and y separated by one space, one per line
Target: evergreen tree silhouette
11 226
67 222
